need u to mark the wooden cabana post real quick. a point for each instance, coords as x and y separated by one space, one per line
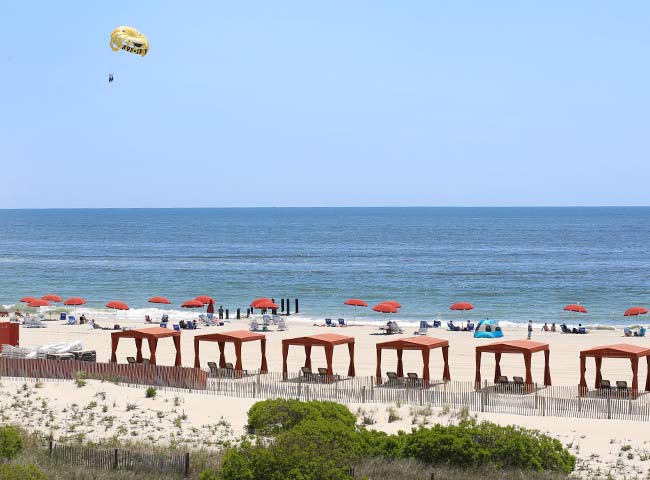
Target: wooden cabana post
622 350
152 335
237 338
425 345
326 340
523 347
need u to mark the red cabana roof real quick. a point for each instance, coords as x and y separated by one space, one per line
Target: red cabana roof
240 335
524 347
237 337
152 335
423 344
326 340
414 343
153 332
620 350
513 346
321 339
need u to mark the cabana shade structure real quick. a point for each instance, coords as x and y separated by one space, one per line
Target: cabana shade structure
425 345
622 350
152 335
524 347
327 340
236 337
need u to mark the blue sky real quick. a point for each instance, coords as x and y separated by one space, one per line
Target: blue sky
330 103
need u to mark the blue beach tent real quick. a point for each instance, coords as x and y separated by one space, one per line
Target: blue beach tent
488 328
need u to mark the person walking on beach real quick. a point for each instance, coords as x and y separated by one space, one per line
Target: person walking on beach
530 329
220 312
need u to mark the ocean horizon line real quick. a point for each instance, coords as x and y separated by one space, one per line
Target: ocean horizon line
323 207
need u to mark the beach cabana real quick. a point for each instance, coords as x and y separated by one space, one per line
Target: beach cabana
152 335
237 338
523 347
326 340
622 350
423 344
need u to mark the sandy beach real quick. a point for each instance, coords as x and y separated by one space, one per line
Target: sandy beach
564 359
602 446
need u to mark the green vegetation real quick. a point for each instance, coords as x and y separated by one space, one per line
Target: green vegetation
293 440
320 440
150 392
11 442
10 471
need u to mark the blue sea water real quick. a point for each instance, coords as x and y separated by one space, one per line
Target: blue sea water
511 263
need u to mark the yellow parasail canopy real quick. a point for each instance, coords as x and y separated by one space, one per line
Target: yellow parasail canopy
130 40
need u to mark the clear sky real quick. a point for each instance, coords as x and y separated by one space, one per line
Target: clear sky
325 103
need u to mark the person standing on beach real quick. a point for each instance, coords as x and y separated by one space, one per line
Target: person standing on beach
220 312
530 329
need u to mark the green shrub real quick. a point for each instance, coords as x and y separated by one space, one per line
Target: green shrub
472 444
320 440
270 417
11 442
150 393
207 475
10 471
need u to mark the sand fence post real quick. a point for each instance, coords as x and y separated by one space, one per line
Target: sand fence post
186 465
609 408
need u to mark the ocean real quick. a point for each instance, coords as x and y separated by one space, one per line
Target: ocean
512 264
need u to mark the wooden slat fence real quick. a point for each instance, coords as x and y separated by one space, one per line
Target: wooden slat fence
557 401
116 459
139 374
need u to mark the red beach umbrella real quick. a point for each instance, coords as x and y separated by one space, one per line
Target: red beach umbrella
385 308
159 300
50 297
574 307
115 305
74 301
28 299
355 302
192 304
258 300
462 306
393 303
266 303
204 299
633 311
37 302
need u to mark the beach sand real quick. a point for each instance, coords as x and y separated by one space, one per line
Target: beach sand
564 359
601 445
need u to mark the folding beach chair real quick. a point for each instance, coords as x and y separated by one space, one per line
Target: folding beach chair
254 327
423 330
328 322
393 379
342 322
324 377
308 374
413 379
621 387
282 325
605 386
72 320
